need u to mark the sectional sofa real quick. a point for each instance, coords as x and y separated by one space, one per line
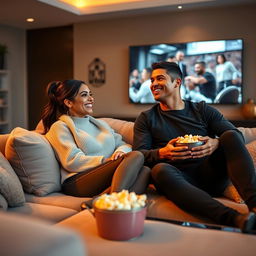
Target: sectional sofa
30 175
30 179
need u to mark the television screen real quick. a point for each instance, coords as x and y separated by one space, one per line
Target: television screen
212 70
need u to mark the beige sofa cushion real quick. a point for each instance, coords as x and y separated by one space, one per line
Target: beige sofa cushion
33 160
125 128
58 199
49 213
23 235
248 133
10 186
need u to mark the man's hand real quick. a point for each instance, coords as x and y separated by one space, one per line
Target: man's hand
173 153
206 149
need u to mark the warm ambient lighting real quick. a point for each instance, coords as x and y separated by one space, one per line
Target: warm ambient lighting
30 20
180 7
87 3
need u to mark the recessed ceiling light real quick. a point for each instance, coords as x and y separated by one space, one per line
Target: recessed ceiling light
30 20
180 7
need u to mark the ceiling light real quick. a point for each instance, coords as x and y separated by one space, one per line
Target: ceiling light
30 19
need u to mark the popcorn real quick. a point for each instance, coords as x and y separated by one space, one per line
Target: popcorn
121 201
188 138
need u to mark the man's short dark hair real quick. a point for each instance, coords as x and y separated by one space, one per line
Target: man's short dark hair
172 69
202 63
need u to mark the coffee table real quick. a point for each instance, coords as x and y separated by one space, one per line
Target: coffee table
162 238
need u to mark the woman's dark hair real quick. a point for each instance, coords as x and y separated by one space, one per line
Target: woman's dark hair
223 57
171 68
57 92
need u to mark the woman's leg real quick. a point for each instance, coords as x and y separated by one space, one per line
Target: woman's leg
91 182
142 181
124 173
130 174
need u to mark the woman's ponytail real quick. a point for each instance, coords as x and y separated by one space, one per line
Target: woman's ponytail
50 111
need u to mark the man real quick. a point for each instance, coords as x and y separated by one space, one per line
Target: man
190 178
144 94
205 81
180 58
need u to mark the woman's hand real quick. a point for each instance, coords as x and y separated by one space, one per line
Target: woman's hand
173 153
206 149
116 155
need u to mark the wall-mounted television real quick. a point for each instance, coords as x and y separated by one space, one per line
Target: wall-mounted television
220 60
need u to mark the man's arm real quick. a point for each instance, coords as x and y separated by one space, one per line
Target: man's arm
143 142
142 139
216 122
197 80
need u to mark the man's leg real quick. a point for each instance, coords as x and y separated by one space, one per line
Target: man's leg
178 188
240 166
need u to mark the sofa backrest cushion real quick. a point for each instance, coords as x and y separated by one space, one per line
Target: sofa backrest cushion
125 128
10 186
248 133
33 160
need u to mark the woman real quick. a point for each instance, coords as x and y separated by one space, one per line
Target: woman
94 158
226 73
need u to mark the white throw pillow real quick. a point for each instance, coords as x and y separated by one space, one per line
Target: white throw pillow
33 160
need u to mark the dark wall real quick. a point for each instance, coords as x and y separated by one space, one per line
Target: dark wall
49 58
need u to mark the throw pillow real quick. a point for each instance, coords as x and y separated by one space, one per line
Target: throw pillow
10 186
3 203
33 160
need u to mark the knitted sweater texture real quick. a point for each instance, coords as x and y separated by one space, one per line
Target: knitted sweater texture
83 143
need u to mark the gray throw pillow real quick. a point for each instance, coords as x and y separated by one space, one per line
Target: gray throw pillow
3 203
10 186
33 160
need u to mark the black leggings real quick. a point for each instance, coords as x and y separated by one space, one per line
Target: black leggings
126 172
192 190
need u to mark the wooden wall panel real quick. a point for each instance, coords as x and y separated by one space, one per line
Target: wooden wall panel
49 58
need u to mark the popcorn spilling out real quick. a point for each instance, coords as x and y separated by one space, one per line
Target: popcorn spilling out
121 201
188 138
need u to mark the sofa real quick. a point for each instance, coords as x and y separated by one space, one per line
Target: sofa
30 179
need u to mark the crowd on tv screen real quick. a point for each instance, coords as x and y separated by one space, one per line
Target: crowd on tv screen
213 78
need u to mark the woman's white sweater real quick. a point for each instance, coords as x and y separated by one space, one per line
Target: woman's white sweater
83 143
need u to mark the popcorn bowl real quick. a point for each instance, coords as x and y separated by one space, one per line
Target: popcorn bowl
189 144
120 224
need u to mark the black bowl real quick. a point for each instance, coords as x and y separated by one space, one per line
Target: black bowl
189 145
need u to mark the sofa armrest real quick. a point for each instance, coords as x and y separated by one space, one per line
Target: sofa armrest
20 235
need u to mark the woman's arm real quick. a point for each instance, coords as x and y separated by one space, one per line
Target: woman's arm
71 157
